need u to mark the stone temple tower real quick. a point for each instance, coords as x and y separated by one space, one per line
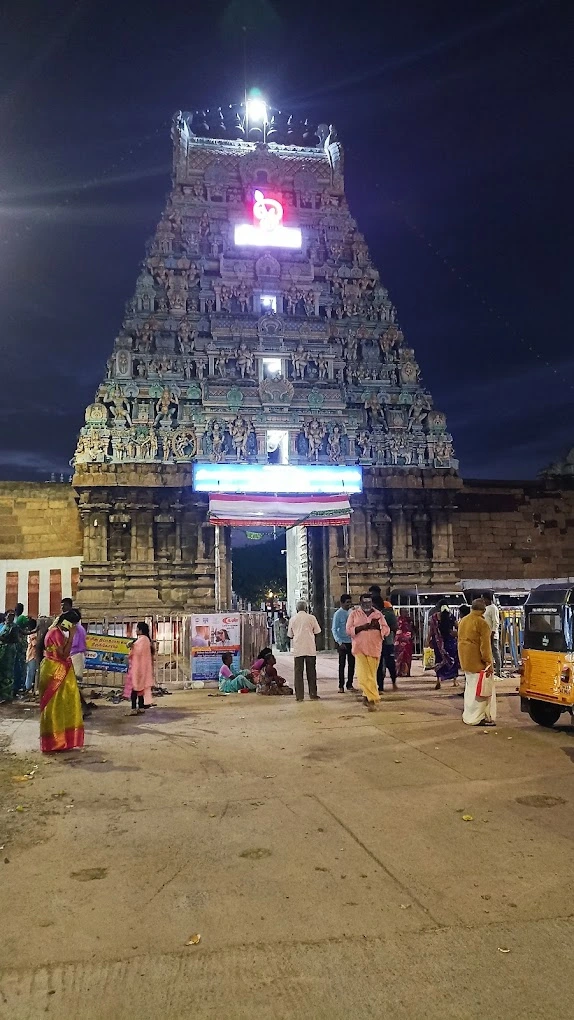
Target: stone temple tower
259 331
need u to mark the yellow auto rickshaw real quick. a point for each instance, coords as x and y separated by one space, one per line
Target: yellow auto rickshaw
547 681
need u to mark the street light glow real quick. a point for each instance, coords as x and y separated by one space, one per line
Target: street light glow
256 111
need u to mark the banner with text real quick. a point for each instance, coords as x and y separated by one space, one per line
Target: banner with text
211 635
108 653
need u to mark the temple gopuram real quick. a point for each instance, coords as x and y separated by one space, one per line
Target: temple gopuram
260 334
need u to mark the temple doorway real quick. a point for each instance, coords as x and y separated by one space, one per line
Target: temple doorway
258 566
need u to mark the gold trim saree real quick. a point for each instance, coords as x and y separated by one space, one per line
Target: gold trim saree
61 724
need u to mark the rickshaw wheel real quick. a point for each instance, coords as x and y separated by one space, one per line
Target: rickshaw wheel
544 714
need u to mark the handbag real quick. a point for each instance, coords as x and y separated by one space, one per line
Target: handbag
428 658
485 684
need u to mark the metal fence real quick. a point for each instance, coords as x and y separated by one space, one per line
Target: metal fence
171 637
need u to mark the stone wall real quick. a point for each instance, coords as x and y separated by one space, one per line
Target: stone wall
500 530
38 520
505 530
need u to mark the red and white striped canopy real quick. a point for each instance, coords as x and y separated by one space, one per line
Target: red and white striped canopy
309 510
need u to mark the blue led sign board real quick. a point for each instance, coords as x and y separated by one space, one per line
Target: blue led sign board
271 478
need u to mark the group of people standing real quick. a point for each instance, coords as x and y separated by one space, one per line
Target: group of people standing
397 640
473 645
48 658
372 639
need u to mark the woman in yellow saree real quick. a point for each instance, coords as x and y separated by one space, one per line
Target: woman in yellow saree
61 725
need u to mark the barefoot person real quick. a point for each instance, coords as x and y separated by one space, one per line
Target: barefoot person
475 651
367 628
61 723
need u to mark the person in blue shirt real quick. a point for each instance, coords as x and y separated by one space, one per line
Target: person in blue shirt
343 643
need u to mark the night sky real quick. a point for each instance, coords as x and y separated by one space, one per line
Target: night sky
457 124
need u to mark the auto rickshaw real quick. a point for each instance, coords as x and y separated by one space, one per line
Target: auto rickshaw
547 681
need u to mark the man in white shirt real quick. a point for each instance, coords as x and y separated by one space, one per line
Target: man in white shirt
302 630
492 617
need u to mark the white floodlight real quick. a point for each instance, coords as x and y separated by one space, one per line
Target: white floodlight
256 111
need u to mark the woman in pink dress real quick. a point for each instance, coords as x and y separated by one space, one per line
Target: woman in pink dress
140 670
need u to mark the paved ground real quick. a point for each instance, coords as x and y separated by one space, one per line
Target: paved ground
319 851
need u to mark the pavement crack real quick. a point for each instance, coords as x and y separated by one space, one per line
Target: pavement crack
376 859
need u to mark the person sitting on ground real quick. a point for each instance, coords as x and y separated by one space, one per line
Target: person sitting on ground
269 680
258 664
232 681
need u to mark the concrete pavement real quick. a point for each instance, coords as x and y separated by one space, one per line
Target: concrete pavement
320 851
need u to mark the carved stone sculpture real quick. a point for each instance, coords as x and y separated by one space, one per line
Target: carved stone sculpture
300 360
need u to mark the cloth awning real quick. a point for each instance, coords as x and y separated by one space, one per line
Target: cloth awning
242 511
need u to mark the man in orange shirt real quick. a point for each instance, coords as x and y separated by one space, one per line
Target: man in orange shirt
367 627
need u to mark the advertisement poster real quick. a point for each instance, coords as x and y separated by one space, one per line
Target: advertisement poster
107 653
212 634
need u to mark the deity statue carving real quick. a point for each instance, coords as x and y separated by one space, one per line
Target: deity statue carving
148 445
300 360
239 432
322 367
372 404
221 363
188 366
351 342
214 441
398 446
244 360
186 339
419 409
120 407
363 443
315 432
335 444
167 406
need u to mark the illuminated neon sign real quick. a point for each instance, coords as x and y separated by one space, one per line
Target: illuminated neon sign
267 230
275 478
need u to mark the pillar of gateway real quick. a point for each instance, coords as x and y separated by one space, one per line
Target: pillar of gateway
260 376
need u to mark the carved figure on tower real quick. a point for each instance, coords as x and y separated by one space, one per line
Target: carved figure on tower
300 360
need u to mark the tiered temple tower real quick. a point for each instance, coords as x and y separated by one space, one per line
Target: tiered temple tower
259 331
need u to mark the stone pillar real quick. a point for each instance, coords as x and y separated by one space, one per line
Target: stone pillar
120 537
443 570
404 571
164 523
96 536
382 551
142 550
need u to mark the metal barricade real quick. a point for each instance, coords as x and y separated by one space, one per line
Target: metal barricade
169 633
171 637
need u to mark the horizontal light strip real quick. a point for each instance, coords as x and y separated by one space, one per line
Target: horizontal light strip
292 478
247 235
